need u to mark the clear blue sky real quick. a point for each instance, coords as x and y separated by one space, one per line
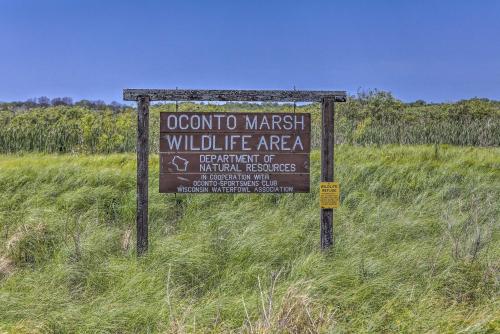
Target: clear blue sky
431 50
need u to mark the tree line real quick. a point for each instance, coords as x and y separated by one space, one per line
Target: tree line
371 118
44 102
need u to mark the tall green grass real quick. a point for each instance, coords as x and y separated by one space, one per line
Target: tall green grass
373 119
417 249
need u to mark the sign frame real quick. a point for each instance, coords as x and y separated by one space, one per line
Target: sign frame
143 97
199 152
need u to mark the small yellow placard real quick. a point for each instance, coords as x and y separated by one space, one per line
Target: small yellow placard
329 193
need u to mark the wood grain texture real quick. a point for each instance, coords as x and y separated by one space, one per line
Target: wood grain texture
194 142
233 95
142 174
194 183
194 162
239 121
327 168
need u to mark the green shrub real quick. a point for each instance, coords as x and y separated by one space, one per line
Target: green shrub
373 118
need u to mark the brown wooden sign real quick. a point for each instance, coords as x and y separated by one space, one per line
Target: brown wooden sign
234 152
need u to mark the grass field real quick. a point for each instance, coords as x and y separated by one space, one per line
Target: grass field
417 249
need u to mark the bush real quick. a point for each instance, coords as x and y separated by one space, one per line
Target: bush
373 118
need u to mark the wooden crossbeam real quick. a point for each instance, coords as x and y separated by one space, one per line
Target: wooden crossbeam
234 95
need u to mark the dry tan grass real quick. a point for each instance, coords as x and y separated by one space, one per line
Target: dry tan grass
6 266
126 238
297 313
16 237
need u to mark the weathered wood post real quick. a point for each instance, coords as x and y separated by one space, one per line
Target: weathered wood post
327 167
142 173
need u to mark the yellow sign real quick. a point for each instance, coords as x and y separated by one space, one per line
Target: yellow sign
329 193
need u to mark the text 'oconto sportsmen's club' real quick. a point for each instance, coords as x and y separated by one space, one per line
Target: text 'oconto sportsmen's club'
234 152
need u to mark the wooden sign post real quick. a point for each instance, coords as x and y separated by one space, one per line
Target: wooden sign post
142 173
327 167
250 153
